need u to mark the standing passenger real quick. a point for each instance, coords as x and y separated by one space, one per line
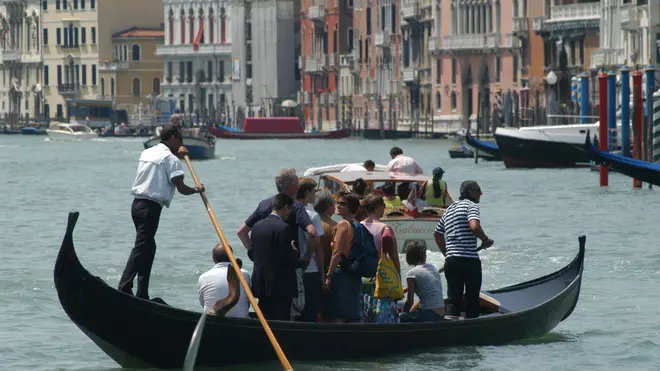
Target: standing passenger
456 236
403 164
325 206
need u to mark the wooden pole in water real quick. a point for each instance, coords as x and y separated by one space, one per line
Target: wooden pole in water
476 150
602 127
637 120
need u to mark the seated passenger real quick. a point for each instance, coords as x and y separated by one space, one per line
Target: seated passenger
392 201
414 203
213 286
360 187
436 192
366 166
424 281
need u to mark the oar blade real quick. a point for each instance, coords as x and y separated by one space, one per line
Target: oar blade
195 341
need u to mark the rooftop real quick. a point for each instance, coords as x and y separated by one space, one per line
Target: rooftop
140 32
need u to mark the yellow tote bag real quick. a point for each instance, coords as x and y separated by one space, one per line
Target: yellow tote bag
388 280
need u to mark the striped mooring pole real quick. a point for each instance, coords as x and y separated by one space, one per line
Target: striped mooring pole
656 127
498 106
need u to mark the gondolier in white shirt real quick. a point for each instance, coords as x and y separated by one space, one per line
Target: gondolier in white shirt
456 236
159 173
403 164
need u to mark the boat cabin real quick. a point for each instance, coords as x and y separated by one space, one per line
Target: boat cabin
336 182
70 128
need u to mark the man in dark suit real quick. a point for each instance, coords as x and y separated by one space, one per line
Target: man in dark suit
275 259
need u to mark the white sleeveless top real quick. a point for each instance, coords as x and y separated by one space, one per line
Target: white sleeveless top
376 228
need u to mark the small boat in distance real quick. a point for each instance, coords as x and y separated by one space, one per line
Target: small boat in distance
70 131
461 152
121 324
487 147
200 144
275 128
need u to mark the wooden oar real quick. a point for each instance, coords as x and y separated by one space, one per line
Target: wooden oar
276 346
193 348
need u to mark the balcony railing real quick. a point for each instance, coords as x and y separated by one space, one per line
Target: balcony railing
9 55
108 66
631 17
607 57
520 25
314 64
572 12
68 88
410 10
332 62
382 39
188 50
346 60
409 74
470 42
316 13
434 43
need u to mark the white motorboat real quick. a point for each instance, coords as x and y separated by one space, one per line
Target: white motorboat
406 224
70 131
314 171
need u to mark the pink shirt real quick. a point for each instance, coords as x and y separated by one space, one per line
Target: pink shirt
376 228
404 164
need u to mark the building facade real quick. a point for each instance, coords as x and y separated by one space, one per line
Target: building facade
625 36
197 58
77 35
479 51
265 50
21 88
326 34
133 77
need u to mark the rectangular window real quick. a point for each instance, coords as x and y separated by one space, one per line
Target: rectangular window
515 68
93 35
58 36
92 4
75 4
84 74
453 70
209 70
75 37
45 36
44 5
66 37
77 69
59 75
94 74
83 35
498 68
46 75
82 4
57 4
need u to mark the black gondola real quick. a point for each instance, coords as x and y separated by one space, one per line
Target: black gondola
139 333
641 170
488 147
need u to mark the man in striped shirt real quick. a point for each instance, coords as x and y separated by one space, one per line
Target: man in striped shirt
456 235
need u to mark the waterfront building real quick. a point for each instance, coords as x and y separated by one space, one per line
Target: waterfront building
77 35
265 50
327 42
196 58
480 54
624 34
21 87
132 77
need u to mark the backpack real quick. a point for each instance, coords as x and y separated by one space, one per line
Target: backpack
362 261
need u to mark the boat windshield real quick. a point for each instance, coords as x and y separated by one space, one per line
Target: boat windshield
78 128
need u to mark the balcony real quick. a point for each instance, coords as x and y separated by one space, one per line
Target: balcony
574 17
108 66
314 64
434 44
316 14
607 57
332 98
372 88
189 51
471 42
346 61
631 17
539 22
382 39
68 88
410 75
9 55
410 10
520 27
332 62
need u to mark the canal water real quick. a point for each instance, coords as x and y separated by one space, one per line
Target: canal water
534 216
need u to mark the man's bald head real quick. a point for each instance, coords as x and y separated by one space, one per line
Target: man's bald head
220 255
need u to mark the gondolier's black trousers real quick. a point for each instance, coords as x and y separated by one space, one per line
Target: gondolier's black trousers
463 276
146 215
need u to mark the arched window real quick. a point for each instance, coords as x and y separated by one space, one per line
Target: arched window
155 88
438 101
191 16
112 87
102 87
136 86
223 25
211 27
453 101
183 26
135 52
125 56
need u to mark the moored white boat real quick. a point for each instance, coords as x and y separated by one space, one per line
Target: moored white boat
313 171
70 131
